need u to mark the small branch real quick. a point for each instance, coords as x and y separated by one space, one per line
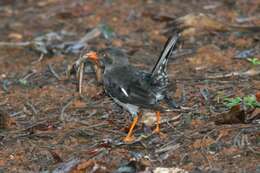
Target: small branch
167 148
35 112
251 72
64 108
15 44
90 35
81 73
53 72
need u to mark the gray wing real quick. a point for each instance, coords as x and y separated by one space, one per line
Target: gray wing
128 85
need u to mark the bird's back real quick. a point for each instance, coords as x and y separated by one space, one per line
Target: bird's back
130 85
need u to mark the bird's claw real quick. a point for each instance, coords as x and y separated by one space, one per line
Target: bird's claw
161 134
157 130
129 139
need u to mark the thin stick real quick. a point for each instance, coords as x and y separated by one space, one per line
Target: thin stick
81 70
53 72
14 44
251 72
65 107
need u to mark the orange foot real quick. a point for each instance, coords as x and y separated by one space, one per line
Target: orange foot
157 130
129 139
161 134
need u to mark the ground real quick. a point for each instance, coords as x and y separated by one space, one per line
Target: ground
45 123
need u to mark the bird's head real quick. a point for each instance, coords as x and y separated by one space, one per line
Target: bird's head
114 57
109 57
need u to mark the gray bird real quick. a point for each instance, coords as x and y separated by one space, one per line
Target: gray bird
133 88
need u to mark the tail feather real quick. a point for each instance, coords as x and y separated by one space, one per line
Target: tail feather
167 50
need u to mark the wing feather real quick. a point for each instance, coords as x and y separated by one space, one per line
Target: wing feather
129 86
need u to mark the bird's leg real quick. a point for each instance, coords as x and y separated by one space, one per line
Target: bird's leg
158 117
157 129
130 137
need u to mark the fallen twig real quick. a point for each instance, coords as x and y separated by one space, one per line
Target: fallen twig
167 148
15 44
90 35
53 72
251 72
35 112
65 107
93 126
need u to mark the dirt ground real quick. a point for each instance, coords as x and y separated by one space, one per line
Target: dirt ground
46 126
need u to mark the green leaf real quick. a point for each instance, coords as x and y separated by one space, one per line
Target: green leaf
251 101
230 102
254 61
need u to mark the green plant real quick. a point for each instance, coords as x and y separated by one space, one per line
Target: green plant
254 61
249 101
230 102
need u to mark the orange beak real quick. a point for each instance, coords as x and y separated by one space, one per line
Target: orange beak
92 56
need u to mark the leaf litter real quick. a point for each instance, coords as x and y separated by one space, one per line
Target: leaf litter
47 126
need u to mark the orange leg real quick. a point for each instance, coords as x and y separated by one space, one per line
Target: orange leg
158 116
130 137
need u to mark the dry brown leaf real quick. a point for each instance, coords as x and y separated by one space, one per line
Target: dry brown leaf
201 143
79 104
234 116
90 166
6 121
83 166
197 123
198 24
209 56
15 36
91 90
2 162
117 43
169 170
202 21
257 95
230 151
255 114
46 2
224 133
241 42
